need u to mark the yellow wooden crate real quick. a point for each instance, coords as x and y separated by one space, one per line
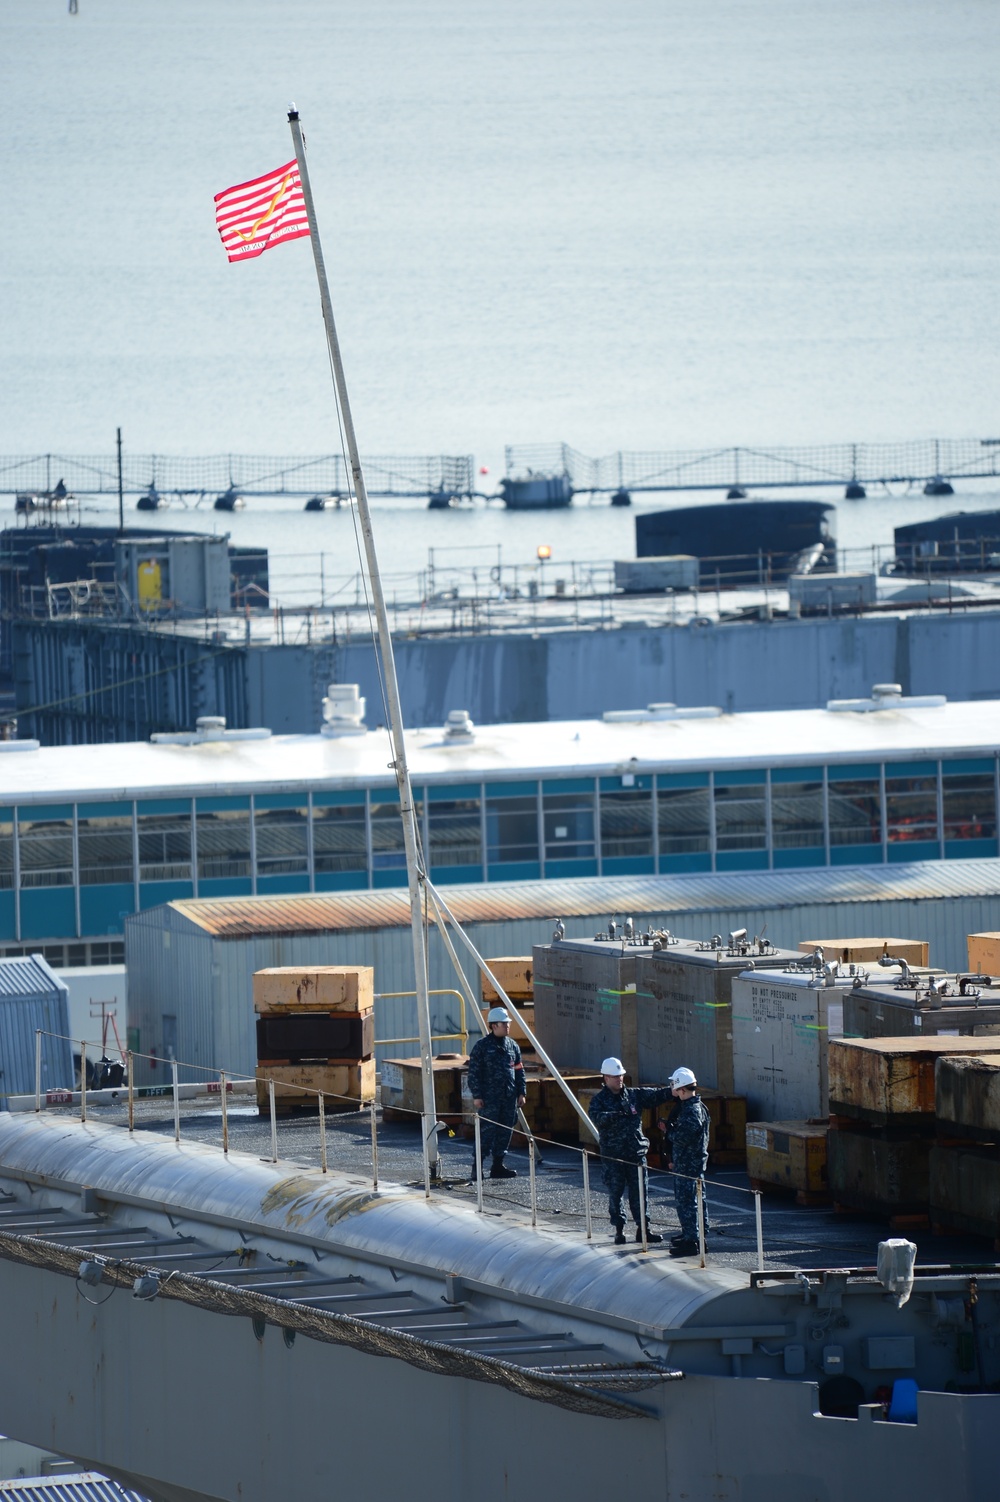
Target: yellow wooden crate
345 1087
788 1154
325 988
525 1010
402 1087
868 951
984 954
515 975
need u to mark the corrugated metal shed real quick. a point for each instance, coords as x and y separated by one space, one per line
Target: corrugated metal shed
82 1486
190 963
32 997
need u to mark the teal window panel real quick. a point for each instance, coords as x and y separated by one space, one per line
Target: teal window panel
911 769
341 881
569 785
526 789
452 875
454 792
164 806
856 855
958 766
969 850
274 884
738 779
556 869
155 893
39 811
854 772
338 797
280 800
121 809
741 860
903 851
388 794
103 909
691 861
7 929
796 774
789 859
224 886
395 878
514 871
221 805
48 913
683 779
617 784
628 865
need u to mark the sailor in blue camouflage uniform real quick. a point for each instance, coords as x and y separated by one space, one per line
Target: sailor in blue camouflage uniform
687 1152
496 1083
616 1112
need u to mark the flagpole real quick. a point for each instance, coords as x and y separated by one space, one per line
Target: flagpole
407 811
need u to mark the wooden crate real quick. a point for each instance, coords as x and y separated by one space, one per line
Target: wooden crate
345 1086
402 1087
967 1095
325 988
525 1010
868 951
561 1119
984 954
788 1155
965 1189
879 1170
514 974
727 1137
890 1081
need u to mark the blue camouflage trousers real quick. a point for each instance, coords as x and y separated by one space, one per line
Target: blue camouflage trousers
686 1200
622 1177
497 1120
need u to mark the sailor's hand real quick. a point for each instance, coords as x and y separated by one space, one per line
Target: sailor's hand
479 1104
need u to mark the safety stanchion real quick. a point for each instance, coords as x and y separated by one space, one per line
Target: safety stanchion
371 1112
426 1154
479 1164
532 1181
643 1229
225 1111
175 1086
83 1081
699 1189
586 1194
131 1092
274 1121
759 1217
38 1069
322 1133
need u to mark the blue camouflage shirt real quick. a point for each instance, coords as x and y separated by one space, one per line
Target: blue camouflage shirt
495 1069
618 1119
687 1134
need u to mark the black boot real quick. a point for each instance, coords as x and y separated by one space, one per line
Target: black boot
619 1235
684 1249
650 1235
500 1171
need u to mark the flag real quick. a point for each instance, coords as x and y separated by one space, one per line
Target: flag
254 216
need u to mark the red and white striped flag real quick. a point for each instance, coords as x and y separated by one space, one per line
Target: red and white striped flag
254 216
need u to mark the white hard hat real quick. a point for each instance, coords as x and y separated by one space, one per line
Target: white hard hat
498 1014
683 1079
613 1066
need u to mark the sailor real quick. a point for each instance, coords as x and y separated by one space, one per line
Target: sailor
496 1080
687 1130
616 1112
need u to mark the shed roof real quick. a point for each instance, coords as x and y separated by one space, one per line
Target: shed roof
28 975
82 1486
243 917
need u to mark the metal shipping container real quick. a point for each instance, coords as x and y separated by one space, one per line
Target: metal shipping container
781 1022
923 1006
32 999
585 1004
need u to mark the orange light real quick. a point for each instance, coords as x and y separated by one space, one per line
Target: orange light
544 552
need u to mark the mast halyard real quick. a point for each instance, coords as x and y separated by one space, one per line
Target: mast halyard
414 868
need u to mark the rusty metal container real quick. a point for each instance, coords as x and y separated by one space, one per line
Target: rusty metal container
324 988
967 1094
890 1081
402 1086
927 1005
781 1023
879 1170
965 1189
869 951
788 1155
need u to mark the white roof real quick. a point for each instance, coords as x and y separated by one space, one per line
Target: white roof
557 748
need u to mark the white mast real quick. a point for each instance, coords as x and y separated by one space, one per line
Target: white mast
414 869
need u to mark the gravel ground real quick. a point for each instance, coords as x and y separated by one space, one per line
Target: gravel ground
794 1236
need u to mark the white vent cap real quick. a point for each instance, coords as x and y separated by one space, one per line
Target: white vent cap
343 711
459 726
661 712
886 696
208 727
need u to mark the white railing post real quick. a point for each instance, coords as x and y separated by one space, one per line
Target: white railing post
225 1111
83 1081
131 1092
38 1069
531 1177
176 1089
322 1133
479 1164
274 1121
699 1188
641 1181
427 1160
759 1217
374 1126
586 1194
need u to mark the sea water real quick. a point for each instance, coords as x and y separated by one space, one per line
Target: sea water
644 224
